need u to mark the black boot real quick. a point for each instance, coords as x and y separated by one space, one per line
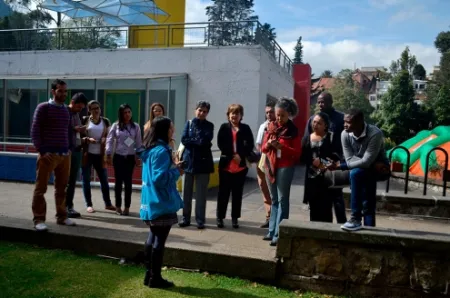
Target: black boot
220 223
148 262
156 280
235 223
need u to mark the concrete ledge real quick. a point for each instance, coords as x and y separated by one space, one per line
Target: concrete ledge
395 202
125 244
373 262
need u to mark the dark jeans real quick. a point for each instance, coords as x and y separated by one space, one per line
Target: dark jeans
123 172
95 160
154 248
230 183
363 185
201 191
75 163
339 205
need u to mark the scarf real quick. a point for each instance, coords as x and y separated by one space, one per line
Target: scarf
277 132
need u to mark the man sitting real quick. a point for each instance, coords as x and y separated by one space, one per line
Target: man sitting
365 157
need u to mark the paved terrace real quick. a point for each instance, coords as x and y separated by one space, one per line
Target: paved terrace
213 243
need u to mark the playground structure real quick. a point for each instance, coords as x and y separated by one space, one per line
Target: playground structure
425 144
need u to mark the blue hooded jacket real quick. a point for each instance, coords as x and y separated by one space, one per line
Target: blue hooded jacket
159 194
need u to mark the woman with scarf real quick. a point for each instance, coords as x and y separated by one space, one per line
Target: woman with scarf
282 147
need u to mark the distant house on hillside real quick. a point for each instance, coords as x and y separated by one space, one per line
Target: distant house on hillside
372 71
319 86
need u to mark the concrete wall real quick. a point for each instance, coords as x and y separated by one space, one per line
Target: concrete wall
373 262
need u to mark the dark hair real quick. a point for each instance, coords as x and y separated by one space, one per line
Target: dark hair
289 105
325 118
327 96
93 102
120 120
271 101
356 115
79 98
235 108
159 130
203 104
57 82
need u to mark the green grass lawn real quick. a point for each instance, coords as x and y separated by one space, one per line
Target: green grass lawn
27 271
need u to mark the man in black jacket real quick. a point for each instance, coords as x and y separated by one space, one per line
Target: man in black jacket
197 138
325 104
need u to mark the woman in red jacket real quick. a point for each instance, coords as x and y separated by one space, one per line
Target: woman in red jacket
282 147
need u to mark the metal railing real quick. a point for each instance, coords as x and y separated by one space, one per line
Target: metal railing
444 173
210 34
408 163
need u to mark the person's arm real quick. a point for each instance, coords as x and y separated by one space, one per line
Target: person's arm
294 149
222 140
370 156
186 138
110 139
138 142
160 166
250 141
306 157
260 136
36 126
308 128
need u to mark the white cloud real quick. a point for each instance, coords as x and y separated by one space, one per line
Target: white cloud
313 32
385 3
196 10
416 13
348 53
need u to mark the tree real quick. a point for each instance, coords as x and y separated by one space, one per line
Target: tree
271 31
419 72
92 38
298 56
443 76
236 32
439 102
327 74
348 94
397 110
442 42
394 68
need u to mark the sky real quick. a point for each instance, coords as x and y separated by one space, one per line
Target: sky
339 34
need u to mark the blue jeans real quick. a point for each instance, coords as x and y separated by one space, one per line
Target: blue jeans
363 185
279 192
95 161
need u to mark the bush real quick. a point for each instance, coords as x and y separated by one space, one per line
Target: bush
389 144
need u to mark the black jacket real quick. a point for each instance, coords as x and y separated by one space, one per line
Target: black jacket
197 138
244 144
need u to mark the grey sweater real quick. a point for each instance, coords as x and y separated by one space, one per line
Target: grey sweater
364 151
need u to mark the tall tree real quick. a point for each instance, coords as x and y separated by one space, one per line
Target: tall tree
419 72
394 67
235 32
270 31
327 74
298 52
397 111
442 42
439 102
348 94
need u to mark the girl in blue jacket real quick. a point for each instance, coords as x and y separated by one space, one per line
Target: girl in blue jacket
160 199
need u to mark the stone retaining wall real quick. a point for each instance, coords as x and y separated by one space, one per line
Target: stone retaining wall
370 263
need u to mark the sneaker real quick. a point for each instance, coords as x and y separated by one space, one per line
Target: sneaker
67 222
352 225
90 210
41 227
72 213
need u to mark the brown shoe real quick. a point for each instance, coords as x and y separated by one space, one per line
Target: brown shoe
111 207
119 211
126 211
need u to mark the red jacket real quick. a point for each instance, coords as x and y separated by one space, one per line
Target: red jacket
290 151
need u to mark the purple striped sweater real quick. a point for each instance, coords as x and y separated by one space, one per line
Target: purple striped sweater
50 128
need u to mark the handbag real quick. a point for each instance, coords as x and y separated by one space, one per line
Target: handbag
181 148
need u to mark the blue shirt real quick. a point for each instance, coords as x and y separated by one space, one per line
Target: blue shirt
159 194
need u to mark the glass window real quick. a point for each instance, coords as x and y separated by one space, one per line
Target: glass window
178 104
159 89
87 87
22 97
113 93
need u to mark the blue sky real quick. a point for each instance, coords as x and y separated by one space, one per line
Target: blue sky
343 33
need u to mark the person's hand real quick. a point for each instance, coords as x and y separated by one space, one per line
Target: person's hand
275 144
91 140
333 166
103 140
180 167
80 128
316 162
237 158
109 160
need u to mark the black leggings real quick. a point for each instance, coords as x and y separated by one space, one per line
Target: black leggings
156 243
123 172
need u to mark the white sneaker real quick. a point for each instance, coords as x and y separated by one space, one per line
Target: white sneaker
68 222
41 227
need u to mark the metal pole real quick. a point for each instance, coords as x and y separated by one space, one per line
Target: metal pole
5 113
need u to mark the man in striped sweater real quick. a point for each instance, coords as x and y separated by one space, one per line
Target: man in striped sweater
50 136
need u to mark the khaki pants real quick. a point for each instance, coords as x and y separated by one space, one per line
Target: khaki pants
46 164
262 182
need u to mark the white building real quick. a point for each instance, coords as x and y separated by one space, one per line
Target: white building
383 87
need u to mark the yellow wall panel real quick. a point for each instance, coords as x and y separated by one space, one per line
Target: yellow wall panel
161 36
